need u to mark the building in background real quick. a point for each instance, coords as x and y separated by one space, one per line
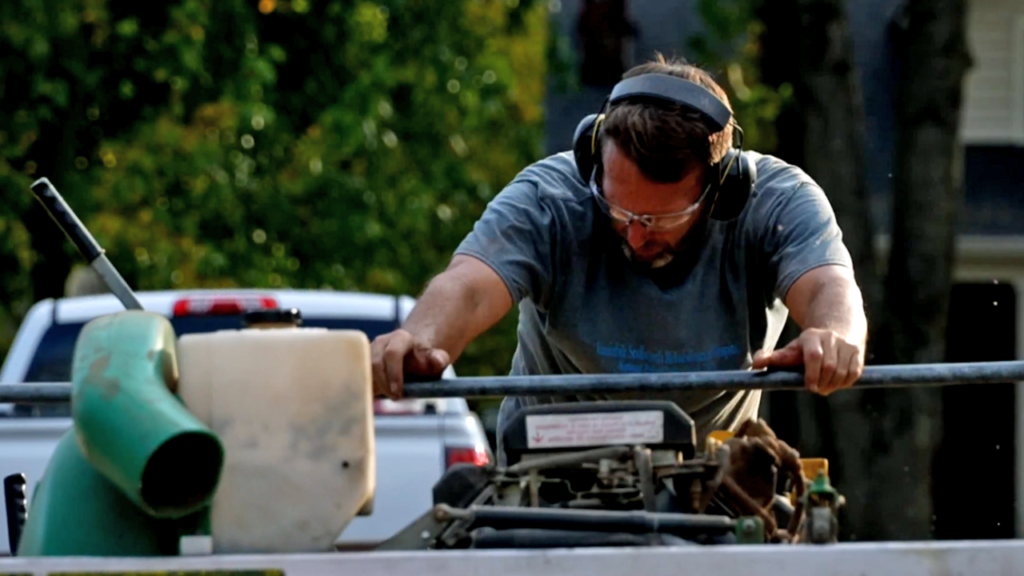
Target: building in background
987 310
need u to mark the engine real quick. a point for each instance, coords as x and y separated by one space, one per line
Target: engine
628 474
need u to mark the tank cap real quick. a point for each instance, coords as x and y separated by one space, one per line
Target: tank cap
272 318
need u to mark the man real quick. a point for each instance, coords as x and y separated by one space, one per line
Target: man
628 272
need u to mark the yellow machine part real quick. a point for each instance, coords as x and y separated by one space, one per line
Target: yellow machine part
721 435
715 438
811 467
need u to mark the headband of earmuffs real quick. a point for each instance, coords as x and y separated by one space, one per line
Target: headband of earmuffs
736 172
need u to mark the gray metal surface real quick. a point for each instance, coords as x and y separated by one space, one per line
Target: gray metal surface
975 558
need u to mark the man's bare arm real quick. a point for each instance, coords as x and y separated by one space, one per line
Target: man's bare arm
829 298
458 305
828 306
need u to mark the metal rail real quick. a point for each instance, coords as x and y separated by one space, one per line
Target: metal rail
976 558
894 376
42 393
882 376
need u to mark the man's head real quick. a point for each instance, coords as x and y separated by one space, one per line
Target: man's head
655 161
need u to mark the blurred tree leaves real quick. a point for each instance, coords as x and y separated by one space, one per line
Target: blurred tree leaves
730 45
308 144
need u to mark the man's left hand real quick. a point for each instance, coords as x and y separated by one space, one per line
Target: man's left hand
830 361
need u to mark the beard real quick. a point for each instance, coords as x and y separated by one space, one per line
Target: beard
654 262
686 249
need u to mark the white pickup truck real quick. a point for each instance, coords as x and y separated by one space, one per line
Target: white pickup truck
416 440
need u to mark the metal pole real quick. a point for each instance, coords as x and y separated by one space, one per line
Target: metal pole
894 376
887 376
65 217
41 393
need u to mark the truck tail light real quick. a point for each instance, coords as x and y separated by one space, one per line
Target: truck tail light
475 455
222 305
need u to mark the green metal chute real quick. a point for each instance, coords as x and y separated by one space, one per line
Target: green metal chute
137 470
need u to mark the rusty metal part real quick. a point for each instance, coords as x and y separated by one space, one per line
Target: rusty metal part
445 513
645 470
756 456
722 456
634 521
739 496
534 480
570 458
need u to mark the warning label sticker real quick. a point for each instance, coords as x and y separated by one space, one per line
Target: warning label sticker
595 429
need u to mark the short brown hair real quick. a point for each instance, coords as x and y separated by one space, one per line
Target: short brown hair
667 141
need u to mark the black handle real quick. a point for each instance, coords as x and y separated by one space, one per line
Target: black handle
66 219
16 499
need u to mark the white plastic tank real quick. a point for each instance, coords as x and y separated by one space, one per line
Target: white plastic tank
294 409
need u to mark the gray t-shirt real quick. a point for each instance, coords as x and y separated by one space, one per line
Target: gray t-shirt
585 309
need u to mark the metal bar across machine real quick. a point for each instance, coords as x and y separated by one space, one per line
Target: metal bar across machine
894 376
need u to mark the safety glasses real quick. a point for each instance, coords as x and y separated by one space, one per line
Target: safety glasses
652 222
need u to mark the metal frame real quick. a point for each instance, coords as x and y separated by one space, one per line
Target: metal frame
895 376
977 558
889 376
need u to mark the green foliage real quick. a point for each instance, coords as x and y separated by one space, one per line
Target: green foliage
730 44
16 254
308 144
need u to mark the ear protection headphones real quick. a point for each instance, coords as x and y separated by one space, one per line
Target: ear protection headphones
736 172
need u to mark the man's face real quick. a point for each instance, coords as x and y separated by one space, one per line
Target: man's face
631 199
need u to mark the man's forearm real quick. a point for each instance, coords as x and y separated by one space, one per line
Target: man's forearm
827 304
837 305
457 306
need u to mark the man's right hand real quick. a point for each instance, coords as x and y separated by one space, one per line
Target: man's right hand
458 305
399 353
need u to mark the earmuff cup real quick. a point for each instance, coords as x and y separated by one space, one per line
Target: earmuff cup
736 186
581 143
737 172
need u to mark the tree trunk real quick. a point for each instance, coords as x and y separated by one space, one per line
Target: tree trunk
927 176
54 154
809 46
881 442
931 44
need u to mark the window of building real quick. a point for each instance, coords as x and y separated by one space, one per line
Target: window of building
1017 76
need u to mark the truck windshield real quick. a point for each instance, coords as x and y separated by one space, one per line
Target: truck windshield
52 360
